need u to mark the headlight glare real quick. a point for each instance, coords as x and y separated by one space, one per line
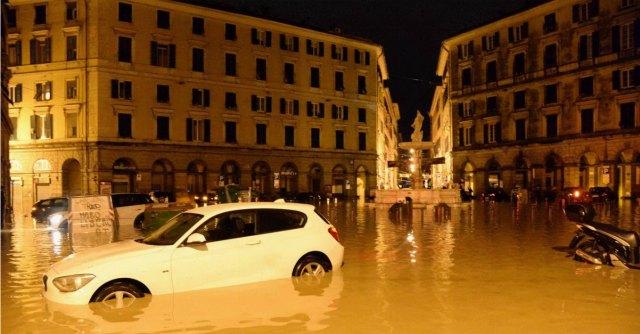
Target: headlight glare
72 282
55 219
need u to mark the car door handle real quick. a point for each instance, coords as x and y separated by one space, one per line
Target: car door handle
254 243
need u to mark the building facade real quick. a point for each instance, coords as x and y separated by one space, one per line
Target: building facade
119 96
545 99
6 129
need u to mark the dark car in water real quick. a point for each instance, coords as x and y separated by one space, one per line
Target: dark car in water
496 194
572 195
602 194
42 209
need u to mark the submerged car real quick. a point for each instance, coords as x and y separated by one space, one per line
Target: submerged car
43 209
602 194
575 195
207 247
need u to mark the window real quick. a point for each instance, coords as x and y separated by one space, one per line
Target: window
315 48
465 109
491 42
230 102
230 133
584 11
492 105
261 103
550 24
197 56
72 11
626 78
465 51
230 64
339 112
466 77
626 36
71 124
230 32
72 89
492 71
519 64
44 91
551 94
289 135
162 94
261 69
120 89
362 141
361 57
586 120
492 133
15 93
586 87
315 77
14 126
15 53
162 127
198 130
466 136
315 138
42 126
550 58
261 134
627 115
72 48
270 220
40 51
626 3
124 125
163 55
125 12
362 115
261 37
163 19
518 33
519 100
315 109
339 53
289 73
124 49
200 97
197 25
362 84
289 43
339 139
339 81
11 18
552 125
521 129
41 14
588 46
289 107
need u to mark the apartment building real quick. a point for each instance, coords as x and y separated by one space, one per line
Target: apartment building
546 98
119 96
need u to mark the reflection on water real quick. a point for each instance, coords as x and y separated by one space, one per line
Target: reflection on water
480 267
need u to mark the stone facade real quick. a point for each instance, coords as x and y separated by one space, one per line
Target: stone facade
159 95
546 98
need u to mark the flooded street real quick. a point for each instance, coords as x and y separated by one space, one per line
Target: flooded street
481 268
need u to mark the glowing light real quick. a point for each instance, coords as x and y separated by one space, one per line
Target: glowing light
412 168
412 151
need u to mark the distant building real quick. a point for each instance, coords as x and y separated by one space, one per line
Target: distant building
134 96
544 98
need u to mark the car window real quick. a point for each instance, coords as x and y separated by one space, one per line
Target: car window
172 230
229 225
274 220
46 202
60 202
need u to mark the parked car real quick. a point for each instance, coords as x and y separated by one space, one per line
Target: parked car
495 194
575 195
130 208
41 210
207 247
309 198
162 196
602 194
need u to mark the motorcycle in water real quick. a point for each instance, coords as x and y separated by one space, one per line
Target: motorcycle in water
600 243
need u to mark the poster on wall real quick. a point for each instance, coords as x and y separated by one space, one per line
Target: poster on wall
91 221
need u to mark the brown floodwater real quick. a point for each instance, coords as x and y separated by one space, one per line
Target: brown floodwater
480 268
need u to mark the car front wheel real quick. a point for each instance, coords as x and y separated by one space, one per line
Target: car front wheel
311 266
118 294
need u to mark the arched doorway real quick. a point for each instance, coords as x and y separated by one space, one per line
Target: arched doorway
260 180
162 177
361 183
289 178
553 172
230 173
315 178
123 176
196 178
468 175
71 178
339 179
521 177
494 175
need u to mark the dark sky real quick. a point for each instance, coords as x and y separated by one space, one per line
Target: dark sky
411 33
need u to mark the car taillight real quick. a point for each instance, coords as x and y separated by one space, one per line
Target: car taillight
334 233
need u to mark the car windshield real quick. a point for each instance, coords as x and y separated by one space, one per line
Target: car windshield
172 230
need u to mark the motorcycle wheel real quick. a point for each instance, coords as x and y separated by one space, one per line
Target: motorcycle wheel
592 252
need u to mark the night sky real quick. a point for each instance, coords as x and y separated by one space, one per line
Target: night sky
411 33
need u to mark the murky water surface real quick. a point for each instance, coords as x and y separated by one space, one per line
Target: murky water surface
483 268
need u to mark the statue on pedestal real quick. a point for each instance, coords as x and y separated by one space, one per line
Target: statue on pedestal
416 136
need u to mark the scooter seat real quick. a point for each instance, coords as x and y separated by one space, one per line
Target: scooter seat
631 237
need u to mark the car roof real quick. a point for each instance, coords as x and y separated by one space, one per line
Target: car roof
220 208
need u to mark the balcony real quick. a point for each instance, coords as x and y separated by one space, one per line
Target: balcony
551 70
519 77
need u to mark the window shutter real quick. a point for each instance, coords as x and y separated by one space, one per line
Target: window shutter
283 42
496 39
595 44
254 103
296 108
460 137
356 56
334 54
18 93
283 105
38 96
484 43
473 135
321 49
19 51
296 44
189 129
172 55
636 34
254 36
32 51
510 34
636 79
268 103
309 109
525 30
345 53
366 58
321 110
154 53
472 107
309 47
486 133
48 126
498 132
268 41
594 8
470 48
615 39
206 97
345 113
127 90
576 13
207 130
114 88
47 50
34 124
615 79
334 111
195 97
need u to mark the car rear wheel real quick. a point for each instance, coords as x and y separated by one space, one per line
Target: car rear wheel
118 295
311 266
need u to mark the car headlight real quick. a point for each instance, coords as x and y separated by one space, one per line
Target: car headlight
72 282
196 197
205 198
56 219
34 208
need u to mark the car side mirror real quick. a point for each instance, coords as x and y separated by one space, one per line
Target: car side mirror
579 213
196 239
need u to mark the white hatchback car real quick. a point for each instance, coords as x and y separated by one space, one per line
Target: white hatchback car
207 247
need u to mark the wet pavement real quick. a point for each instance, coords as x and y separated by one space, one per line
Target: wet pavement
478 268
